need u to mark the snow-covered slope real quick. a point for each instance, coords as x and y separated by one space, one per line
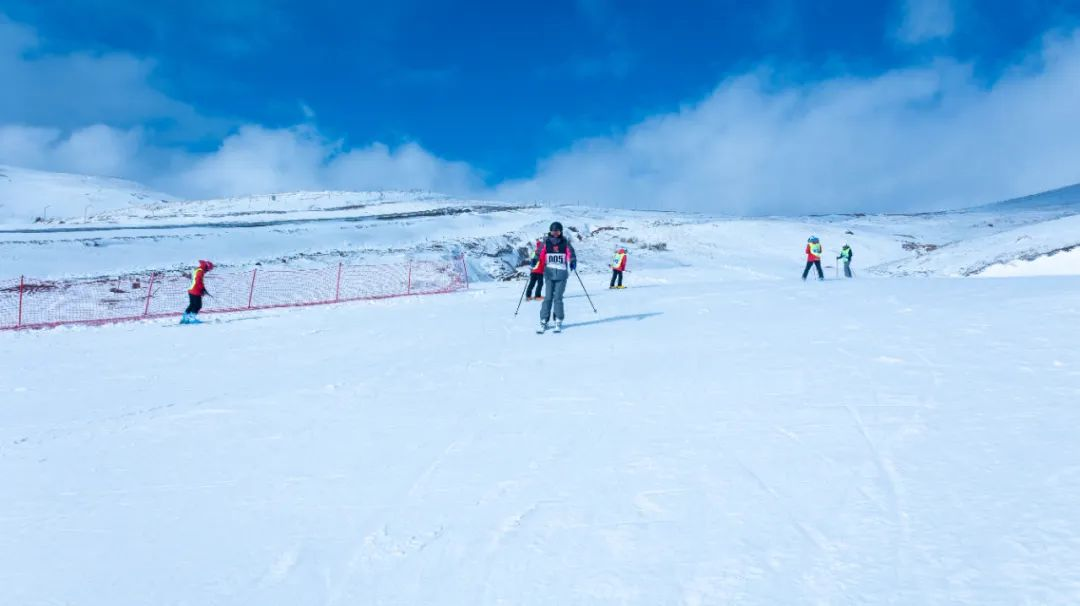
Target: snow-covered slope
322 227
1027 236
1064 262
699 441
495 237
719 433
28 195
1065 200
1013 247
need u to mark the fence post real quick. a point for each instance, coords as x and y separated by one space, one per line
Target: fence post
251 293
408 288
465 270
337 289
22 287
149 293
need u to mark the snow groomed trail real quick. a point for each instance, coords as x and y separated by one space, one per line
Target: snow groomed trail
697 442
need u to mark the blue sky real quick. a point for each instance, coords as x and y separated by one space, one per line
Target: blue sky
505 98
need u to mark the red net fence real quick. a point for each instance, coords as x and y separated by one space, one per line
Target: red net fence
31 303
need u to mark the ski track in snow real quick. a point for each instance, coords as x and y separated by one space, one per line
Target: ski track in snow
893 487
880 441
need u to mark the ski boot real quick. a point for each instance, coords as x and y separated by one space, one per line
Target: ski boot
185 319
558 325
542 328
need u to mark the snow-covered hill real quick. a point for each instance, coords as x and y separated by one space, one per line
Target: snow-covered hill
134 230
1023 249
1065 200
29 196
1034 235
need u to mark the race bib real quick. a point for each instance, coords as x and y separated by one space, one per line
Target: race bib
556 259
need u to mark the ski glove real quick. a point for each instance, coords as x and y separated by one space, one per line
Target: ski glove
573 265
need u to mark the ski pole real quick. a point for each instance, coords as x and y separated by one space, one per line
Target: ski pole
582 282
522 298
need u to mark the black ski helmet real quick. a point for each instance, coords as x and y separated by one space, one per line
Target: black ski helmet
556 226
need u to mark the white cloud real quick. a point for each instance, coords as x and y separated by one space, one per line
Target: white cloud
72 90
27 146
261 160
408 166
253 160
926 20
93 150
920 138
99 150
84 113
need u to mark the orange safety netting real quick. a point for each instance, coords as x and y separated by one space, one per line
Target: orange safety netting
33 303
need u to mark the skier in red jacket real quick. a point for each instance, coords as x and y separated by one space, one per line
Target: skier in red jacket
618 266
813 258
536 274
196 292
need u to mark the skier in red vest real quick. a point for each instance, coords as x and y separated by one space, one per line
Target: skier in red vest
813 258
196 292
618 266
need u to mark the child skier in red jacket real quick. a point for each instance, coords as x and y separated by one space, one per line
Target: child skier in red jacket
196 292
618 266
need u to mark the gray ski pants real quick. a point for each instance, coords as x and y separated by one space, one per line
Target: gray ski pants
553 293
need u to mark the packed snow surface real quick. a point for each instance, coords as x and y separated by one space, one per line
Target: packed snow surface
28 195
699 441
1063 263
719 433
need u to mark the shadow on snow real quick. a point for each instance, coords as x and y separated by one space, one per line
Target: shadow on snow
612 319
